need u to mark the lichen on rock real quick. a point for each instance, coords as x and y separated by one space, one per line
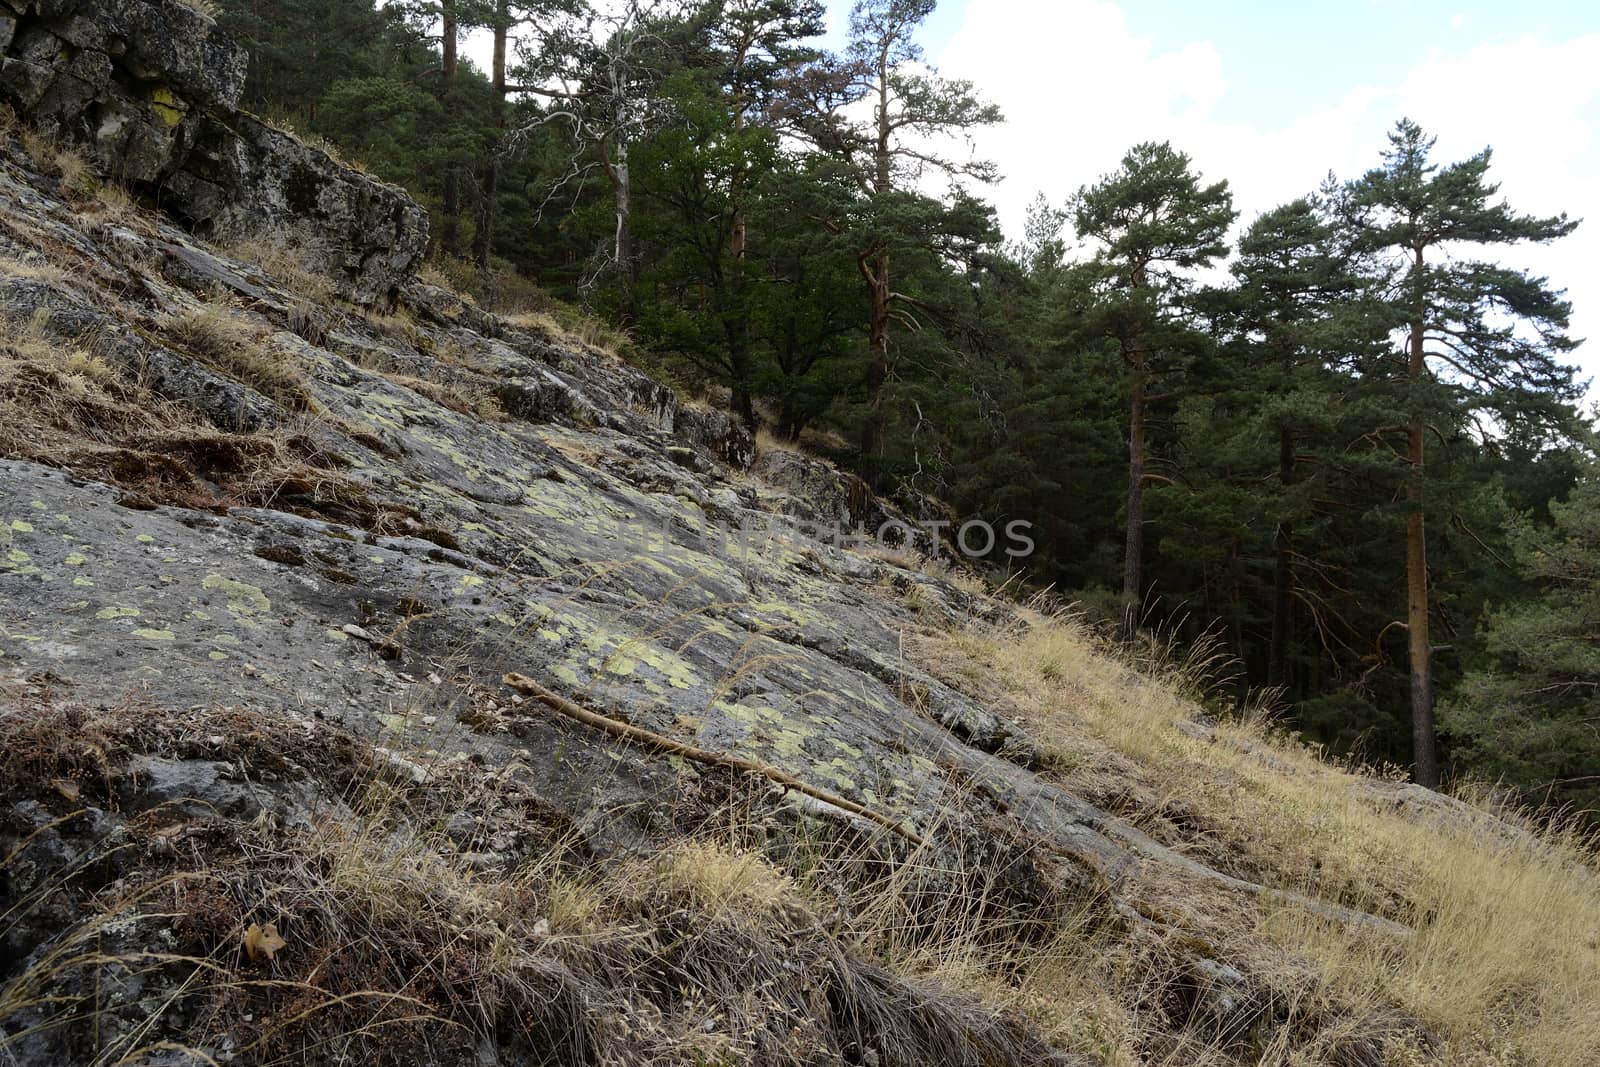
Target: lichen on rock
150 88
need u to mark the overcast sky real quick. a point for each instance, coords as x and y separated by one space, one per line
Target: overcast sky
1273 94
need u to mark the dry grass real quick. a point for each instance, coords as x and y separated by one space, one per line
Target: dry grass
430 274
582 453
580 331
226 342
449 385
64 404
400 948
464 398
767 441
1505 963
78 178
55 396
294 258
114 205
34 268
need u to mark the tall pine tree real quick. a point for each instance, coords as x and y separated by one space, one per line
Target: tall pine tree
1478 337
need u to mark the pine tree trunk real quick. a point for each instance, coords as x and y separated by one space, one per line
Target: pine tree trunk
488 206
1133 549
1424 745
736 331
623 238
483 240
448 36
450 235
1283 574
872 445
876 270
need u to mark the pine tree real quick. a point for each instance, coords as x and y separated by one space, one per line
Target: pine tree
1479 337
1153 223
911 108
1526 716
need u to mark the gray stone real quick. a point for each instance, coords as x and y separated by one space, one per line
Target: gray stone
602 540
151 87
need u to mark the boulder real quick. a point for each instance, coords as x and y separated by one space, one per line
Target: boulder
150 89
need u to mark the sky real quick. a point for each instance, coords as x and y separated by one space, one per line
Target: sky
1274 94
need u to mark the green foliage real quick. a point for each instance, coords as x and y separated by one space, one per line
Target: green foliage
754 218
1526 712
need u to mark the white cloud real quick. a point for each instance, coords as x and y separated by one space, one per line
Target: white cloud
1079 86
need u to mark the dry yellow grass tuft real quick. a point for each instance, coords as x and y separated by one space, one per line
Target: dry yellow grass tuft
767 442
294 258
720 880
35 268
1504 966
78 178
464 398
224 341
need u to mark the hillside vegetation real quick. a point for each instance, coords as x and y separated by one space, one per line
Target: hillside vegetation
403 662
1334 437
266 799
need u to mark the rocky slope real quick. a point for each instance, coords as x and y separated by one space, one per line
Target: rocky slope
266 556
151 88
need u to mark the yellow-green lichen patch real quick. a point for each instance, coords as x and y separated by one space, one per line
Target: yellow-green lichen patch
81 580
164 102
75 559
155 635
773 612
790 742
620 653
201 614
244 600
117 611
36 505
21 526
216 655
335 635
838 772
848 749
225 639
145 539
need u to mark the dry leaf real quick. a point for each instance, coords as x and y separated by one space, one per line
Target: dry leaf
262 941
66 787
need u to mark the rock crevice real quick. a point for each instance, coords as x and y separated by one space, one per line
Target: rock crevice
151 88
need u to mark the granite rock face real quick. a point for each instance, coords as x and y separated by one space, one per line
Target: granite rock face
443 497
150 89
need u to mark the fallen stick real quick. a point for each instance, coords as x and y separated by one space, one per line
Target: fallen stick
629 732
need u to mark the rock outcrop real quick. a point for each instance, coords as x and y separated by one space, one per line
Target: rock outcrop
262 562
150 88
